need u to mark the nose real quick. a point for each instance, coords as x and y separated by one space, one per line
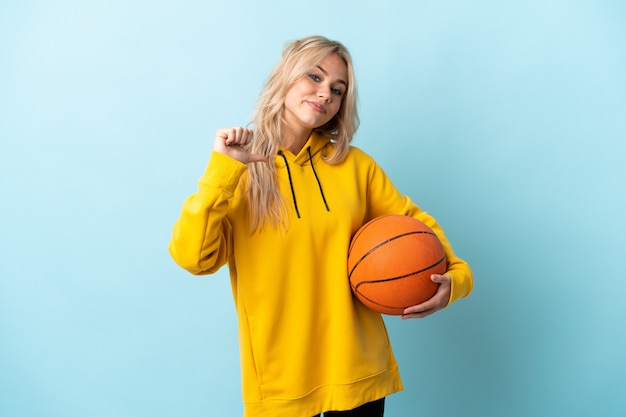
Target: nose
324 93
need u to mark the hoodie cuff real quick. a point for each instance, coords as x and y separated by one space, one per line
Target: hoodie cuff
461 284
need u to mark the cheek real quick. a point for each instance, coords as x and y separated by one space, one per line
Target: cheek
299 88
291 100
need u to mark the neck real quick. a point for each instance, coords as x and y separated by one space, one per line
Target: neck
294 140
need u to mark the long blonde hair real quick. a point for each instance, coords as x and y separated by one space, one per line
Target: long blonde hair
265 202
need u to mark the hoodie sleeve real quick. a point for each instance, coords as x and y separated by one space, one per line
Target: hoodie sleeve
384 198
457 269
201 239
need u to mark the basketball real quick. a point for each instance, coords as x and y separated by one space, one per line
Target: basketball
390 261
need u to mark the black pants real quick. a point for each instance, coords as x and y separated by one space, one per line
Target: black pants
373 409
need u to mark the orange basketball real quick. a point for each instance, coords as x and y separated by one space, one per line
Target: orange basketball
390 261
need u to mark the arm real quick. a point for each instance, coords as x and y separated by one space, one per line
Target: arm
457 282
201 240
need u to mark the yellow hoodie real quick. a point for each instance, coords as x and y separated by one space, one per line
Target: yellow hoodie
306 344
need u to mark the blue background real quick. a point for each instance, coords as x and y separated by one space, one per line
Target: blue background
506 120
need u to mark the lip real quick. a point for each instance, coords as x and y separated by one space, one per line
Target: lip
317 107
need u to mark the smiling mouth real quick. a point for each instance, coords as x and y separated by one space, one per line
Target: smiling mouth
317 107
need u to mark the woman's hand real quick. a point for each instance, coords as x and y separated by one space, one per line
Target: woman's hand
436 303
233 142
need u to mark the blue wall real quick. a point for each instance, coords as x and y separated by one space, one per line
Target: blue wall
506 120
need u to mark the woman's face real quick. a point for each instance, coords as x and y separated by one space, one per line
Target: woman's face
315 99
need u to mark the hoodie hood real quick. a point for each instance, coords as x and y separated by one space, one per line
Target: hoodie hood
310 154
317 145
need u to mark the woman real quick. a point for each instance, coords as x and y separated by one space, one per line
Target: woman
279 203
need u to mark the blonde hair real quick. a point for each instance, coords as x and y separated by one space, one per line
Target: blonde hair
265 202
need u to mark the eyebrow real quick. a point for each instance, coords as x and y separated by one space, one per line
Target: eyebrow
326 73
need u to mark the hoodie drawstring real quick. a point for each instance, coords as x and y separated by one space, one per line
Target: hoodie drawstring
308 149
293 192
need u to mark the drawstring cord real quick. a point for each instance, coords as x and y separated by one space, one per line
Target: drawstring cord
308 149
293 193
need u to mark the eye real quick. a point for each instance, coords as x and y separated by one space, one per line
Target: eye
336 91
315 78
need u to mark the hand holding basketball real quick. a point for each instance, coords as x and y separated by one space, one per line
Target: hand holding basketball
438 301
391 262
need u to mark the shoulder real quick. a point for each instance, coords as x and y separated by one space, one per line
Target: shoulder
363 161
360 155
353 155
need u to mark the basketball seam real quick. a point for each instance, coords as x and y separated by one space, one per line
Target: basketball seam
381 304
383 243
443 258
